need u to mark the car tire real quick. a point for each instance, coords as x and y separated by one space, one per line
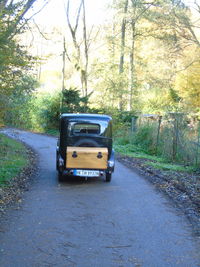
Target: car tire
57 166
108 177
86 143
60 176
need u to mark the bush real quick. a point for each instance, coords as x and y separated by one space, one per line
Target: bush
145 138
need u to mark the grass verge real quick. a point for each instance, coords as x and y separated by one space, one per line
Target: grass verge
53 132
154 161
13 158
171 167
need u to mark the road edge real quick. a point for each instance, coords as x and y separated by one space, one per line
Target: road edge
177 197
12 194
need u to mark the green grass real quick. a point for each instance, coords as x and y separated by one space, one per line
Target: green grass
53 132
154 161
13 158
171 167
135 152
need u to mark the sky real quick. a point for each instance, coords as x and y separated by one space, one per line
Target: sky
54 12
54 15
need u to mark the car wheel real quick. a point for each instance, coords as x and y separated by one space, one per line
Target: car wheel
108 177
86 143
60 176
57 166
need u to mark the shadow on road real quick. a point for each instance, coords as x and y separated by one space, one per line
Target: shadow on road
71 180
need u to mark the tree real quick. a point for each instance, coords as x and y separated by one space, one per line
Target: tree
81 44
73 102
79 65
122 48
187 23
19 104
14 60
133 15
150 45
188 87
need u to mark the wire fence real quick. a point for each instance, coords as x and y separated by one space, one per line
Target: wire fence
175 136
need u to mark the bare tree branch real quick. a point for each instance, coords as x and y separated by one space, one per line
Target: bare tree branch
198 6
38 28
25 9
85 73
123 32
17 30
187 66
78 15
73 30
185 24
68 57
32 40
146 7
90 39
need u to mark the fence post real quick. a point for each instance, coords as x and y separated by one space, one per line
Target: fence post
175 117
158 133
178 117
198 142
133 124
175 139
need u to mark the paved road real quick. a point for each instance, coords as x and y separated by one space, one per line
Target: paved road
92 223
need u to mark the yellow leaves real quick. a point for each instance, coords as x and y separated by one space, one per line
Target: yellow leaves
188 86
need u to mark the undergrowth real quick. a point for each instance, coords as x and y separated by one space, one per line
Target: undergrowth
13 158
141 145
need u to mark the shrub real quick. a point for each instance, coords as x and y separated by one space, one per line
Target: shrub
145 138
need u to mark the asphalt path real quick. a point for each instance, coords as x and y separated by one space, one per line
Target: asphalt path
93 223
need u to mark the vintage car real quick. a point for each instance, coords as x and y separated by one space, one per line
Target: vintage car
84 147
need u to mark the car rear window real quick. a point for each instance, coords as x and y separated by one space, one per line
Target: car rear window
85 128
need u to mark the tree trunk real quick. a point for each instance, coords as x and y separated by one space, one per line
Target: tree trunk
85 71
123 33
121 62
63 74
73 31
132 65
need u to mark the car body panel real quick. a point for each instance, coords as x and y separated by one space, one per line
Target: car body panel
85 142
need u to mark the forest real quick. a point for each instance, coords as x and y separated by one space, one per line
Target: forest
142 62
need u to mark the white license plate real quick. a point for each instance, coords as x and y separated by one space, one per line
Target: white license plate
86 173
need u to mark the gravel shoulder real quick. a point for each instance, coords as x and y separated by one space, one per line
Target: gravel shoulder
182 188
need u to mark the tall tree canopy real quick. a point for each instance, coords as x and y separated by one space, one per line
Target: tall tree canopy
149 44
14 59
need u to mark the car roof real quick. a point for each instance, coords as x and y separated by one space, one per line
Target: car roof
85 116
